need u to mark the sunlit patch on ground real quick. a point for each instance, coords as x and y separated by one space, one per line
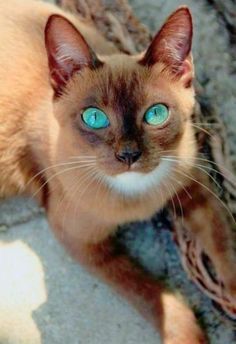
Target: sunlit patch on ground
22 290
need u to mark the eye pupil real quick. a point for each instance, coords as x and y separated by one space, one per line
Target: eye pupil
95 118
156 115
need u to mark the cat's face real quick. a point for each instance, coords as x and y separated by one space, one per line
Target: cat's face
125 114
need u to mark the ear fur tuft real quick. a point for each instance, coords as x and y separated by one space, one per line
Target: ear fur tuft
172 44
67 50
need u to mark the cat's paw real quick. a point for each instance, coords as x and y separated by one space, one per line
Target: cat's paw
179 324
191 334
196 337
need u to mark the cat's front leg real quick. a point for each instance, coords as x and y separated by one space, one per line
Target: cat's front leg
204 215
173 319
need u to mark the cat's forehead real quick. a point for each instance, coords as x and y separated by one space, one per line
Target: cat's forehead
123 86
120 84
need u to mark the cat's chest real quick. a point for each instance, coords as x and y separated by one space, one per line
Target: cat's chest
125 198
94 221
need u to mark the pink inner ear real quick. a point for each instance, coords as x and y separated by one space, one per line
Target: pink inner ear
187 73
186 67
172 44
67 50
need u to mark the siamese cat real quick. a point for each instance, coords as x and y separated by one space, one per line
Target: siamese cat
98 137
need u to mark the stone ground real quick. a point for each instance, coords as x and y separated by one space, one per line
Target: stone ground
46 298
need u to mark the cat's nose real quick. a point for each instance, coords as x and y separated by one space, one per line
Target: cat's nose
128 157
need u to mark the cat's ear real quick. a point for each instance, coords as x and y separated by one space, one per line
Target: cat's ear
172 44
67 50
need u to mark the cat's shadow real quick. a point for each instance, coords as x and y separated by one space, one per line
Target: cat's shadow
49 299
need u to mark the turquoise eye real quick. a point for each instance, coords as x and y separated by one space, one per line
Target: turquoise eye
157 114
95 118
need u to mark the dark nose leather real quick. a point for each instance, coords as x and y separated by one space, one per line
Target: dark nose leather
128 157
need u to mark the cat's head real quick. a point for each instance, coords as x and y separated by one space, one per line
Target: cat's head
125 116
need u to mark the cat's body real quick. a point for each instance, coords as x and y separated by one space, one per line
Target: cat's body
81 176
30 102
30 110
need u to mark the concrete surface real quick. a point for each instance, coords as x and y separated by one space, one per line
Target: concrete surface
46 298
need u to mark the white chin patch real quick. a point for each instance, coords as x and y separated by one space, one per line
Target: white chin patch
135 183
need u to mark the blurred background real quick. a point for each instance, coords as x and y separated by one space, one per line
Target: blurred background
214 48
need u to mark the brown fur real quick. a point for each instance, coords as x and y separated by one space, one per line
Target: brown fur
42 128
215 235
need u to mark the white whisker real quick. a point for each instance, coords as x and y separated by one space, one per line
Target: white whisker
171 198
178 199
85 176
48 168
198 166
91 175
231 177
57 174
182 186
202 129
209 190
